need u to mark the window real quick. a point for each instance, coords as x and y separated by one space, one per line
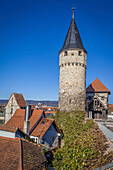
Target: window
76 64
70 101
65 53
68 64
42 122
72 54
89 97
72 64
62 65
79 53
11 110
102 98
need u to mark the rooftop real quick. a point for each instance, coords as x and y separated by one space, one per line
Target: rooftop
20 99
20 154
73 39
97 86
17 120
43 126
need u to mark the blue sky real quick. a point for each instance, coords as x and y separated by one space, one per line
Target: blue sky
32 33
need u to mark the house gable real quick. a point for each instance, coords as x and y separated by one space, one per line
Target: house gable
11 107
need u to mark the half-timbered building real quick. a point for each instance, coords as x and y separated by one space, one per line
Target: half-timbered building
97 100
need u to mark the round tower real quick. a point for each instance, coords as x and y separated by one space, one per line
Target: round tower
72 65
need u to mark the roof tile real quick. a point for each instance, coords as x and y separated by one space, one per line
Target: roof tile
97 86
14 152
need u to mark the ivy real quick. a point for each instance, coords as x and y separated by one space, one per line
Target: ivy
84 144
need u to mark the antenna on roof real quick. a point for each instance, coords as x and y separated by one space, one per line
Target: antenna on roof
73 11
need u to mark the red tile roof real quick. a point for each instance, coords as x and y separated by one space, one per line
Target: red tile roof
17 120
7 128
20 154
19 98
110 106
35 117
10 153
43 126
97 86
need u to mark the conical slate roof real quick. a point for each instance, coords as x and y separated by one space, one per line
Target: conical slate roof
97 86
73 40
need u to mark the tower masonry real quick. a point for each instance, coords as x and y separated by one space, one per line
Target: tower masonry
72 65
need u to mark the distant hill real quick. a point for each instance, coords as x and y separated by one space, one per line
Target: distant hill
34 102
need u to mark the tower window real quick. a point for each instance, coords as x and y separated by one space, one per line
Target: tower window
65 53
62 65
70 101
79 53
65 64
68 64
72 54
76 64
72 64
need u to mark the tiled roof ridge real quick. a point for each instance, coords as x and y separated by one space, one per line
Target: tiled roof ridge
9 126
21 153
22 139
7 138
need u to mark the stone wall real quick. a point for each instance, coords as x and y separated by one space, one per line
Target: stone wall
72 82
10 108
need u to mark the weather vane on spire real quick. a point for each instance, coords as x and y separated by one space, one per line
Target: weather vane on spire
73 11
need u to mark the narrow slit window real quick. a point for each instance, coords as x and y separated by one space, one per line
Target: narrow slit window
80 53
65 53
70 101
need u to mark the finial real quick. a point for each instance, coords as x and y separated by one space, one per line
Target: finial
73 11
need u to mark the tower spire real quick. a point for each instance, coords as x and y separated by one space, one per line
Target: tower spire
73 11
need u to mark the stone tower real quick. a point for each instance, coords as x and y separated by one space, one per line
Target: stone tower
72 65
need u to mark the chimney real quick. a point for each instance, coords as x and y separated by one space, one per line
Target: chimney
26 122
30 113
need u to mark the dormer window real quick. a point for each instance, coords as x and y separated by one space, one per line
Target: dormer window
65 53
42 123
80 53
